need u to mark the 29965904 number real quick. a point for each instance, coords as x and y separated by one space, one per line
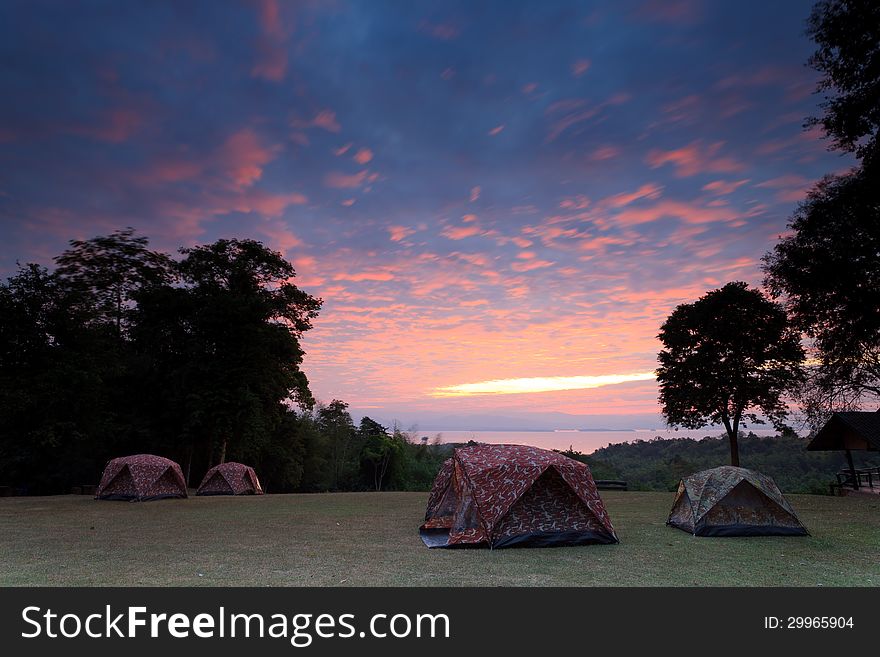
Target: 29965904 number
808 622
819 622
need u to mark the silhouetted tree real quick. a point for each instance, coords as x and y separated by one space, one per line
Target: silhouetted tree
335 423
828 271
57 376
727 355
244 322
828 268
110 270
847 33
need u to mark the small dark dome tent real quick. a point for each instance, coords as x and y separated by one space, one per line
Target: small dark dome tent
514 496
230 479
140 478
730 501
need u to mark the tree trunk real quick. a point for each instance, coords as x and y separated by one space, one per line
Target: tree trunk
734 448
223 452
732 432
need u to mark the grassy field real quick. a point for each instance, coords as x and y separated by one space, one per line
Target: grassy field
370 539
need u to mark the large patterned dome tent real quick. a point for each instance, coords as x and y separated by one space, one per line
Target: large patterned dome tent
729 501
230 479
140 478
512 495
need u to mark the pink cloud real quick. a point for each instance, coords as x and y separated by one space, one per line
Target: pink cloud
244 157
272 55
342 150
693 159
646 191
787 180
685 212
399 233
477 259
530 265
324 119
262 203
338 180
579 67
367 275
363 156
605 153
461 232
723 187
171 170
569 120
282 238
529 88
573 117
790 188
600 243
475 193
578 202
494 131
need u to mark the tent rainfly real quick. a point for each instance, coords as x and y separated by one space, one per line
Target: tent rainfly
730 501
230 479
140 478
514 496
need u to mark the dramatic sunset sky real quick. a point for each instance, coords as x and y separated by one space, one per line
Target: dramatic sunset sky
479 191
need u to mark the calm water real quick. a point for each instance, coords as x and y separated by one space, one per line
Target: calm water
582 441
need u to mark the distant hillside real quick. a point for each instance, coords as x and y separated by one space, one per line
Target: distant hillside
660 463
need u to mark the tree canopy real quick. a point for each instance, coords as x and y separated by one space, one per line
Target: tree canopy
730 356
847 36
827 268
828 271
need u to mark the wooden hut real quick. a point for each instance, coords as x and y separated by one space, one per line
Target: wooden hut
847 431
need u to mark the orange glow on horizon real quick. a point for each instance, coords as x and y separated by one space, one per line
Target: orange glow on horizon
538 384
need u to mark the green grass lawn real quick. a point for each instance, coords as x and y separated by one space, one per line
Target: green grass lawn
371 539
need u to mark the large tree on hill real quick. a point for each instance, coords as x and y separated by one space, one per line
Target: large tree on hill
726 358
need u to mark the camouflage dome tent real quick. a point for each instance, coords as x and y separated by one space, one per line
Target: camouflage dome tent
140 478
512 495
729 501
230 479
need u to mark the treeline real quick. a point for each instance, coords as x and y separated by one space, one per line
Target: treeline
659 464
121 349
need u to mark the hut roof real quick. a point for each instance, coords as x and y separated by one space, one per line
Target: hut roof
849 430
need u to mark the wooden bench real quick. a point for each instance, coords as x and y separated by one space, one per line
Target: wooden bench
862 476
